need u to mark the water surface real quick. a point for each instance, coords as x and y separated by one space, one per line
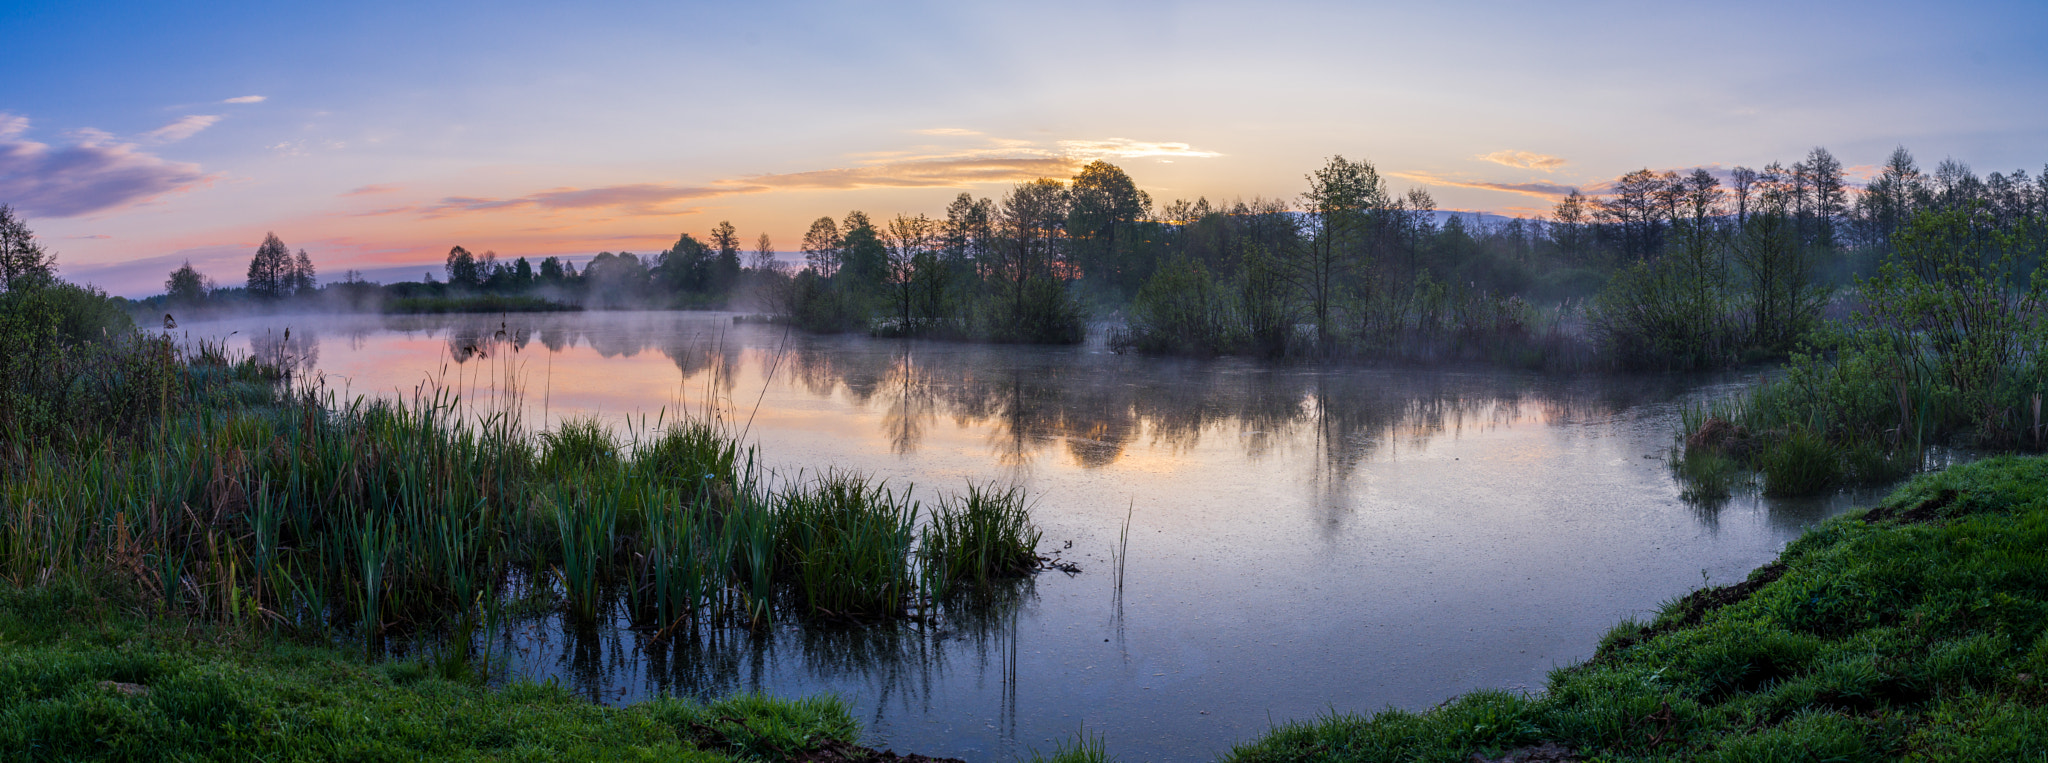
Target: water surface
1302 539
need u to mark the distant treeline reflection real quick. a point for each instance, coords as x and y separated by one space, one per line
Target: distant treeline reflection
1093 406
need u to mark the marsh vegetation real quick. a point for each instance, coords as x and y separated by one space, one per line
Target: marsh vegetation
193 480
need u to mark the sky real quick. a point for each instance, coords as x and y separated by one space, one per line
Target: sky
137 136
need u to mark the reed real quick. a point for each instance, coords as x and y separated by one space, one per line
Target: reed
241 497
980 536
844 542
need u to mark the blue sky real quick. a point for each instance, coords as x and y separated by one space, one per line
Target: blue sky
386 133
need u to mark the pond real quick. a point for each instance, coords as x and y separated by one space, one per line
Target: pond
1301 539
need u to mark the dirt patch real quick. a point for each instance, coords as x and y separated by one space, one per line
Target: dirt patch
826 751
1548 752
1718 434
1696 605
1919 513
841 752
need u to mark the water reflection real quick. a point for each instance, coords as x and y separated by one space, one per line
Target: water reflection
1092 408
899 663
1306 538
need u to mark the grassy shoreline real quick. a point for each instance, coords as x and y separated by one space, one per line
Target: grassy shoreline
1917 629
1914 630
82 680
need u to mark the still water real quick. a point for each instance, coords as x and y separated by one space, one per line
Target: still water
1302 539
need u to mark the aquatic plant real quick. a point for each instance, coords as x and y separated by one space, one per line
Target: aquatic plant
982 535
845 542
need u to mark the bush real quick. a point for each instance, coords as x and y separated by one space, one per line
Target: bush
1659 316
821 305
1803 463
1040 311
1178 311
72 355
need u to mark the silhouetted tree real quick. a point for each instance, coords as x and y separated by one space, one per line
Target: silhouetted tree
1568 229
863 258
821 247
1890 199
725 265
1338 210
186 286
1103 204
1827 198
969 234
461 267
270 271
685 268
303 279
1636 209
911 266
23 263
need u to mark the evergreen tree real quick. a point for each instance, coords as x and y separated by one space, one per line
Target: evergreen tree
304 280
725 264
764 256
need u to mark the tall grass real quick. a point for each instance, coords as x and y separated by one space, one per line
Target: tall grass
981 536
846 544
240 497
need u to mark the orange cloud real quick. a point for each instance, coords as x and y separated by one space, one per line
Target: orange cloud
1527 160
997 160
922 173
1537 188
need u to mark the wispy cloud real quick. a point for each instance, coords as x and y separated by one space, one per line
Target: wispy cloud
185 127
1537 188
633 199
992 160
947 131
1122 148
246 99
1527 160
371 190
921 173
94 174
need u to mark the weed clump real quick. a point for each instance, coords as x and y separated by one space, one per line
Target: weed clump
983 535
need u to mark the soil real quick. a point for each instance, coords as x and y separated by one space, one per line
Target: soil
841 752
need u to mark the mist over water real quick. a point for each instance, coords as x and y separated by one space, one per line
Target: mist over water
1301 538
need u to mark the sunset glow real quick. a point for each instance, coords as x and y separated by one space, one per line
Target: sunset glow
376 136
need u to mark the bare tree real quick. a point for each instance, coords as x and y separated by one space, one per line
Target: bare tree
1636 211
910 241
764 256
821 246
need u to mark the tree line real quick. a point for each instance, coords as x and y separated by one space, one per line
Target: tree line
1668 269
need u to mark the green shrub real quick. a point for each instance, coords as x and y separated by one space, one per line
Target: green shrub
1803 463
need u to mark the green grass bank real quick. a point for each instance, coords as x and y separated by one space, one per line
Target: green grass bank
81 680
1914 630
